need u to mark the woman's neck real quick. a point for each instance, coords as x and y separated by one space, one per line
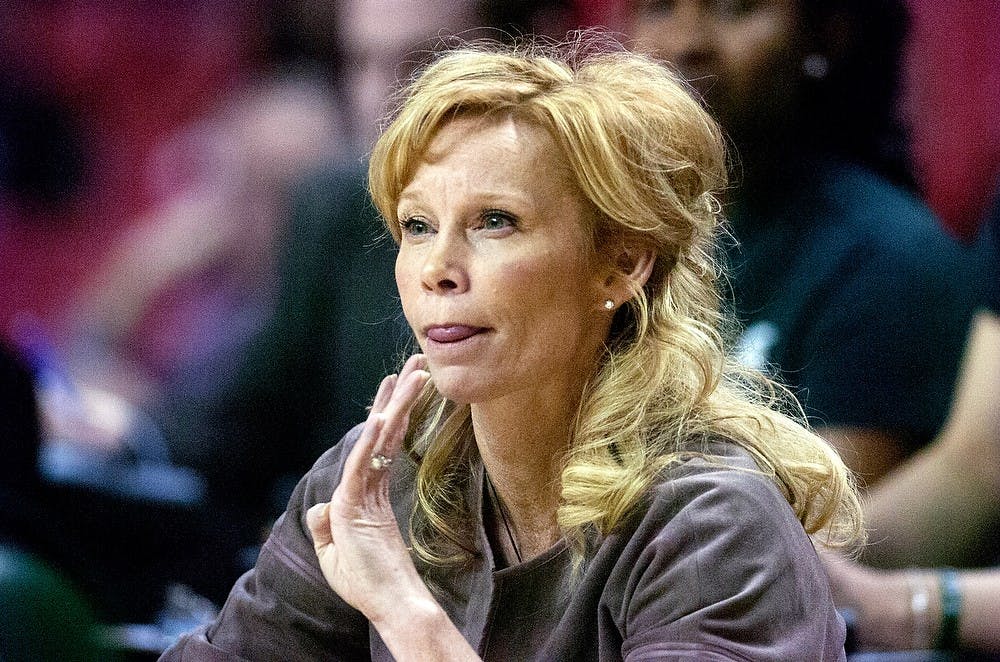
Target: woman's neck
522 450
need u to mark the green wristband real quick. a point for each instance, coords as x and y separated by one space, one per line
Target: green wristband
951 609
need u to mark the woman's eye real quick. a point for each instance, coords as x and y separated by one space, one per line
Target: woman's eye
414 226
496 220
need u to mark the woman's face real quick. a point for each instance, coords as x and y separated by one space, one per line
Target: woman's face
742 55
495 269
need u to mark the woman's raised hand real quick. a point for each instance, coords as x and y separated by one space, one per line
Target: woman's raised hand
360 549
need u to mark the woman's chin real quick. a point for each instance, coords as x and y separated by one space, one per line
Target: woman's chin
460 388
455 393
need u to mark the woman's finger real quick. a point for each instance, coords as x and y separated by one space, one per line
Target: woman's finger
415 362
368 439
318 521
397 411
359 460
383 394
388 385
394 401
381 438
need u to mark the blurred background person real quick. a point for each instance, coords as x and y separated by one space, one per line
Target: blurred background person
845 282
937 511
93 93
950 80
193 279
95 90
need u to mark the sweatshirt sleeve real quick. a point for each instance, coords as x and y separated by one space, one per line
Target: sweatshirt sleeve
726 572
283 608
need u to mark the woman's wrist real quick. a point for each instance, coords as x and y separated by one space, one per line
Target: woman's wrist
407 613
409 600
418 628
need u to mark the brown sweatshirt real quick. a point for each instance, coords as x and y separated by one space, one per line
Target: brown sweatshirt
713 566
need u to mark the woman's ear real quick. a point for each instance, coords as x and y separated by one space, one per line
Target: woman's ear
631 268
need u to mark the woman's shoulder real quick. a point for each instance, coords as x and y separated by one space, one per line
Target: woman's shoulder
337 453
718 486
713 460
717 532
719 508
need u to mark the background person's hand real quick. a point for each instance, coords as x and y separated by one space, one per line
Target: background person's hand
360 549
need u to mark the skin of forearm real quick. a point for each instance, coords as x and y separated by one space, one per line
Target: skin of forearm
933 511
420 631
980 610
886 621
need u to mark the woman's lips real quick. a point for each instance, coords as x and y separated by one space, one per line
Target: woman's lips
452 332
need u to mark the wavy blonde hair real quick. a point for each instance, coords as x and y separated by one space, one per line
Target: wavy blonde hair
650 161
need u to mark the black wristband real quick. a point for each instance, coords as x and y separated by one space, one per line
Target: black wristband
951 609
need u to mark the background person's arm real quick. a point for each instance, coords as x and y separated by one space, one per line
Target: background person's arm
981 611
871 454
935 509
886 619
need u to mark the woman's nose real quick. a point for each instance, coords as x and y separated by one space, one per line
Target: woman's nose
444 269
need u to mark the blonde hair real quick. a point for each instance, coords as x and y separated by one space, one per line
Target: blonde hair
649 159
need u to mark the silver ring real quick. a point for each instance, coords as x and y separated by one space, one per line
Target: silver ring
380 462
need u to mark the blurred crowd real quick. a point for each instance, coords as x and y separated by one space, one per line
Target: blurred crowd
196 298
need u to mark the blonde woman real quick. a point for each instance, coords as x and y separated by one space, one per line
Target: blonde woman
571 468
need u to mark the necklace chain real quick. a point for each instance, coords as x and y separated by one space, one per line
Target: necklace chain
499 508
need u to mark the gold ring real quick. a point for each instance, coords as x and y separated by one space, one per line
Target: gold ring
380 462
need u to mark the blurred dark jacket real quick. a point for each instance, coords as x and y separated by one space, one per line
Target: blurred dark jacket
308 377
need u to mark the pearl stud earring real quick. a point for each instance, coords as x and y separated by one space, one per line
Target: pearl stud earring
609 304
